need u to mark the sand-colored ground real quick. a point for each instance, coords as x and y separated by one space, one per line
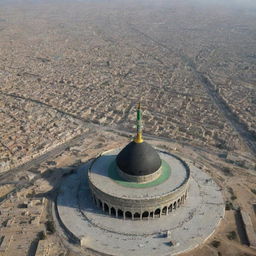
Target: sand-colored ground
5 189
241 180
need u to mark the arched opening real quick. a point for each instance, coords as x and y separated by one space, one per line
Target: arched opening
120 213
106 208
151 214
157 212
136 215
182 199
113 211
145 214
179 203
164 211
174 205
100 203
170 208
128 215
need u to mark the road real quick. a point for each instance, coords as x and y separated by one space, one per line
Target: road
237 125
229 115
42 158
209 85
7 177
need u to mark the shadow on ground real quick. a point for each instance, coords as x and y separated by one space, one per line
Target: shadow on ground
240 228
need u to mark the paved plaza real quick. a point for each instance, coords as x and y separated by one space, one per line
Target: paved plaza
189 226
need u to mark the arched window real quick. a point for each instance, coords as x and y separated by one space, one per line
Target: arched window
164 211
120 213
151 214
179 203
136 215
157 212
106 208
145 214
113 211
174 205
128 215
170 208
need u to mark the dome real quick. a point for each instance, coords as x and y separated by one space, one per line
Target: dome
138 159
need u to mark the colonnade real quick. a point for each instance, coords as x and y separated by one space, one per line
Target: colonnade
146 214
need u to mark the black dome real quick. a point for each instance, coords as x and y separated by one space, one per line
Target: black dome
138 159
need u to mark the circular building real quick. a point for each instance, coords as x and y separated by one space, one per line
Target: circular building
138 181
97 204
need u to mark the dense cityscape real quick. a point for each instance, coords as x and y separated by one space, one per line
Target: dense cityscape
71 74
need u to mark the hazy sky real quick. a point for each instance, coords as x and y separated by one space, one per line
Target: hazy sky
241 3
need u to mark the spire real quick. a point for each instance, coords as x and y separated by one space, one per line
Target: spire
138 138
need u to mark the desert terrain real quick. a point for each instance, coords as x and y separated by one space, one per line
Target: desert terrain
71 74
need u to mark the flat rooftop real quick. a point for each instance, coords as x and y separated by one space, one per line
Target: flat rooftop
103 175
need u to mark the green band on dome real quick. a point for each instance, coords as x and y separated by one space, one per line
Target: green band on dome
113 174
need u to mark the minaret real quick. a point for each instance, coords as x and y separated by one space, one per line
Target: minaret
138 161
138 138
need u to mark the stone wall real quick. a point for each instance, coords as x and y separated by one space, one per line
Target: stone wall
146 207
